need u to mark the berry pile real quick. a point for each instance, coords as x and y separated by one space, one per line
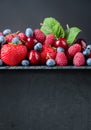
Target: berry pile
50 45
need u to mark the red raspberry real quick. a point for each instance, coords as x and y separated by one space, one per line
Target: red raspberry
61 59
74 49
79 59
39 35
50 39
1 34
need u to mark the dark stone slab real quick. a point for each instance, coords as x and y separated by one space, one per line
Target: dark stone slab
43 67
45 99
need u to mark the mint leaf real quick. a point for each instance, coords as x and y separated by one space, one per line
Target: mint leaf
71 33
52 26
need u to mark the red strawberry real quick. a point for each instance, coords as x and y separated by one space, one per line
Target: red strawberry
34 57
47 53
79 59
50 39
13 54
61 59
39 35
74 49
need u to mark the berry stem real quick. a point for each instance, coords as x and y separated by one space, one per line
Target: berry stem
67 26
41 24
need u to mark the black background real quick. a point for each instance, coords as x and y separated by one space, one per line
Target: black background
17 15
45 100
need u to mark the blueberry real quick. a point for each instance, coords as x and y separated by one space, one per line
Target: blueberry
29 32
38 47
1 62
25 63
50 62
15 40
6 31
88 61
60 49
2 39
88 47
86 52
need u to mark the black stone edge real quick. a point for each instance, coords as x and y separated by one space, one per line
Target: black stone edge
44 68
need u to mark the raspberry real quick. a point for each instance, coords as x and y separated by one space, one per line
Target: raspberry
50 39
79 59
39 35
74 49
61 59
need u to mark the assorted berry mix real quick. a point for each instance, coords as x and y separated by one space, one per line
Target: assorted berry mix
49 45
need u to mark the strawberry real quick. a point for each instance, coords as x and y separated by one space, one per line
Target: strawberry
79 59
39 35
61 59
47 53
12 54
34 57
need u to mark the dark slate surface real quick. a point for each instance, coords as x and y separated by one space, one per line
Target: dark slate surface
44 67
58 99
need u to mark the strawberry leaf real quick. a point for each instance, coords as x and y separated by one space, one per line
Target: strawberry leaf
71 34
52 26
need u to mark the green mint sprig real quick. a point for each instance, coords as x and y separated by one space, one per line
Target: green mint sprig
71 34
52 26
